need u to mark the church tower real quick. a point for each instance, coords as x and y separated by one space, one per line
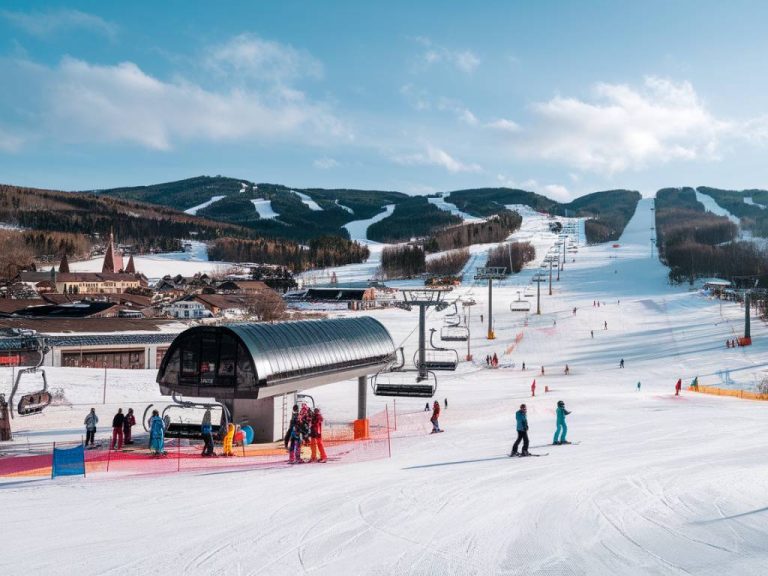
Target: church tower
113 260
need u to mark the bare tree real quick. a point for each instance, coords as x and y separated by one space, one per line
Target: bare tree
265 305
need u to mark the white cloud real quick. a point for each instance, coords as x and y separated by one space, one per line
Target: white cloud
553 191
10 142
557 192
465 61
622 128
253 58
433 156
503 125
81 102
325 163
45 23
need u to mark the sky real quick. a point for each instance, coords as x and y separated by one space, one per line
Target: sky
559 97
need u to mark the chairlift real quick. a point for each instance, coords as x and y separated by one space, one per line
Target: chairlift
177 427
32 402
454 334
437 358
404 383
520 305
401 382
452 320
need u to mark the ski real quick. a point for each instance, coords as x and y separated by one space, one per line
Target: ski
568 444
527 455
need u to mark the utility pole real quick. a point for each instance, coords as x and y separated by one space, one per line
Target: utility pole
423 299
550 277
491 273
538 295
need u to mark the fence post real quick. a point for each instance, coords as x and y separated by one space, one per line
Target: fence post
389 443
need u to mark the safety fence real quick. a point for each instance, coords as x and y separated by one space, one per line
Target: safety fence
714 390
186 455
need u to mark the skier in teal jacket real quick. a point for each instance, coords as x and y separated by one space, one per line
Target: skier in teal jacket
562 427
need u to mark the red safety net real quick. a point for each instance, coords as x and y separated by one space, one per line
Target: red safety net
186 455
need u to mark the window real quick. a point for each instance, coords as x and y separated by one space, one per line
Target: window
189 361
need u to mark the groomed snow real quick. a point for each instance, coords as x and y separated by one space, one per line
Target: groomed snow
264 208
751 202
308 202
441 203
659 484
358 229
710 205
343 207
193 211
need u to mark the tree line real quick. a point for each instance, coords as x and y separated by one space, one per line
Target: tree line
495 229
448 264
512 256
402 261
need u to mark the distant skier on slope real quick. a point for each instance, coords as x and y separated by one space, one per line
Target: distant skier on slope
638 386
678 385
521 421
533 388
621 363
562 427
435 416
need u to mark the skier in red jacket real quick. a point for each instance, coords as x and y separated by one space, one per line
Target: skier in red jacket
533 388
316 437
678 386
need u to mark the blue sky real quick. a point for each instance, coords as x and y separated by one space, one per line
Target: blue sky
563 98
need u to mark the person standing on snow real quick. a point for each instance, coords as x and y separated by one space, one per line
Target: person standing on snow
289 433
435 416
638 386
207 431
621 363
316 437
678 385
117 430
533 388
562 427
521 421
90 426
426 407
156 434
128 423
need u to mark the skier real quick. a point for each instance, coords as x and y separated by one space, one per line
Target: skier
128 423
605 325
207 432
446 403
495 360
542 370
481 318
156 434
554 323
621 363
117 430
533 388
592 333
229 438
678 385
574 310
316 437
523 365
638 386
695 384
521 421
289 433
562 427
426 407
567 370
435 416
90 427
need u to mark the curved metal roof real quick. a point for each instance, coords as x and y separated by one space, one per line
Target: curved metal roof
293 349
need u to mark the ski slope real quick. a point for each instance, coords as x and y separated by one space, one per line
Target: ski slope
264 209
441 203
358 229
659 484
308 202
193 211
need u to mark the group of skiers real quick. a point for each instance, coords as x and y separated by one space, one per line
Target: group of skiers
492 361
306 426
121 428
521 421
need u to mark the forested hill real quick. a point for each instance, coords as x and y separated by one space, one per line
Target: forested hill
302 214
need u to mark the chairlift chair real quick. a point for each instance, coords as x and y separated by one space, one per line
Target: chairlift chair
404 383
520 306
33 402
437 358
454 334
178 428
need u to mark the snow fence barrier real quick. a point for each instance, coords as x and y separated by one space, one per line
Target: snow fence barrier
736 393
68 461
185 455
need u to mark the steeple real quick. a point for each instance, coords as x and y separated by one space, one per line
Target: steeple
64 265
130 268
113 260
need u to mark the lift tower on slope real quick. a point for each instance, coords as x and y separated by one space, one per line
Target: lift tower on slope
491 273
424 299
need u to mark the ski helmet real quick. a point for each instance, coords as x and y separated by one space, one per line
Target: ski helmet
560 403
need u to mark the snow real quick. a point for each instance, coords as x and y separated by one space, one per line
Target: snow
658 485
264 208
311 204
711 206
343 207
193 211
441 203
358 229
748 200
155 266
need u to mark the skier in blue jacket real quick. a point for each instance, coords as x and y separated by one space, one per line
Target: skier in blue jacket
562 427
522 431
156 434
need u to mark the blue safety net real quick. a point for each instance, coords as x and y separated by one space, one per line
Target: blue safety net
68 461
